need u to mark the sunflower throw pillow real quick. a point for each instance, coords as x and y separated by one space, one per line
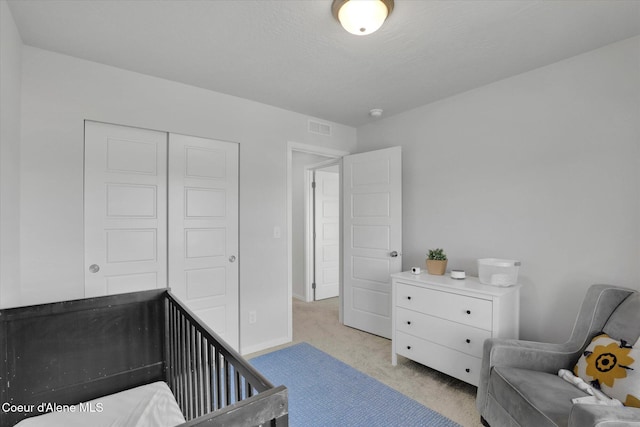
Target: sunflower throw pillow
613 367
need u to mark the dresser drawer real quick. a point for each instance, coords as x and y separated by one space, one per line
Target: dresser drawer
446 305
443 359
466 339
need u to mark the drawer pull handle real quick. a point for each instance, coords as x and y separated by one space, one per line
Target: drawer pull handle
408 322
468 370
468 311
409 298
468 341
408 347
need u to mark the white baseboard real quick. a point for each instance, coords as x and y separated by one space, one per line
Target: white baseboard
263 346
301 298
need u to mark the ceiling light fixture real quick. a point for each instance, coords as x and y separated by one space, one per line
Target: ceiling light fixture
361 17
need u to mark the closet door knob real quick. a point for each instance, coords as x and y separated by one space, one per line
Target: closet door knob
232 258
467 370
468 311
468 341
94 268
408 347
408 298
408 322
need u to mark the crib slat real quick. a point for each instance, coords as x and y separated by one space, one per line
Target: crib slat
202 368
218 380
181 379
178 365
227 382
172 348
174 364
192 371
209 379
179 396
192 377
238 385
176 355
185 366
197 372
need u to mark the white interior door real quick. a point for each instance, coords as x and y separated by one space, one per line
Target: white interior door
203 235
372 202
125 209
327 233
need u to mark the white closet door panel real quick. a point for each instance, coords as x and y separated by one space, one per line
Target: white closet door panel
203 236
125 209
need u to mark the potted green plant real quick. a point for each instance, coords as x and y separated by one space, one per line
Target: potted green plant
436 261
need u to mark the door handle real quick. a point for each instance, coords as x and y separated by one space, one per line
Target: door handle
394 254
94 268
232 258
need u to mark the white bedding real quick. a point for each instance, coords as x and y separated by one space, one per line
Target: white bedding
151 405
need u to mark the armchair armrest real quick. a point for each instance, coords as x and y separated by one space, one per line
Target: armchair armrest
601 416
537 356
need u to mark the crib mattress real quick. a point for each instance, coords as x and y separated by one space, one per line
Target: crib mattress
151 405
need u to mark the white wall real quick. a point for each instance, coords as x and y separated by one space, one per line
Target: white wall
543 167
10 84
59 92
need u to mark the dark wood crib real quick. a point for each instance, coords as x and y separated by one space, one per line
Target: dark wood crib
74 351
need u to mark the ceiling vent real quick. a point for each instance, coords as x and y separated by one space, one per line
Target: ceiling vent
319 128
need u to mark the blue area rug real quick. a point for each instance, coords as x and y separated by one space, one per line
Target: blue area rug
324 391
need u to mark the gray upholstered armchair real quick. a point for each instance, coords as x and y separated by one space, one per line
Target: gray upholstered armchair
519 385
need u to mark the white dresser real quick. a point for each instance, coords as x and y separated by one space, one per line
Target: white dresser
442 322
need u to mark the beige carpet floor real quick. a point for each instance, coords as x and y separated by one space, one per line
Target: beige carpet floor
317 324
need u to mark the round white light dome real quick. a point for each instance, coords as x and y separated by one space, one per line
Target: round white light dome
362 17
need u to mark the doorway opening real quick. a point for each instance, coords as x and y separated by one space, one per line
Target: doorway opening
371 243
302 162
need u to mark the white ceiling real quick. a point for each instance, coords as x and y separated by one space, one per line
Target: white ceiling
294 55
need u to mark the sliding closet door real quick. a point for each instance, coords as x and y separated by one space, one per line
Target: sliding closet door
162 209
203 231
125 198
